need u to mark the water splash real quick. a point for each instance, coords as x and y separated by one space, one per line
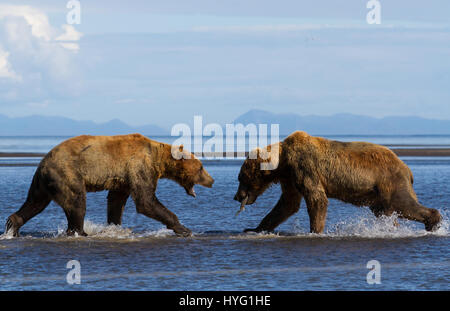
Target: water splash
369 226
362 226
7 235
372 227
104 231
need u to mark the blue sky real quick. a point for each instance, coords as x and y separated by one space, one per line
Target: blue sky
161 62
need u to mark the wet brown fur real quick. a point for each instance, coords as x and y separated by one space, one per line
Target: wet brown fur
125 165
315 168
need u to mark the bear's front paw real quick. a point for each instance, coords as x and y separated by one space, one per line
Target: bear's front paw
13 224
252 230
72 232
182 231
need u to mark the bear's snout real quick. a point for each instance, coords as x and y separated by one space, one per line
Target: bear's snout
240 195
206 180
209 183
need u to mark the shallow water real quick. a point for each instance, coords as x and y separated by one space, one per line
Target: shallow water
43 144
143 255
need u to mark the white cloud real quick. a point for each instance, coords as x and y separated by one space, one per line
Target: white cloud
5 67
260 28
41 105
70 46
70 34
282 27
316 25
36 59
40 26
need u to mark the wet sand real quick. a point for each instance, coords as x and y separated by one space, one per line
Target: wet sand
21 155
402 152
422 152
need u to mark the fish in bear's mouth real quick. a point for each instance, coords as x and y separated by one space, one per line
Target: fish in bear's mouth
243 203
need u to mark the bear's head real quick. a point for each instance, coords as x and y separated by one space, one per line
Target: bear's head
189 171
258 172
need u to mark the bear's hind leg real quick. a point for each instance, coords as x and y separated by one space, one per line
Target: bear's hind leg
317 205
378 209
32 206
74 207
37 200
409 208
116 205
75 213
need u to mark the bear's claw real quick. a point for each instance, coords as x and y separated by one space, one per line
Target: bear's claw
182 231
10 226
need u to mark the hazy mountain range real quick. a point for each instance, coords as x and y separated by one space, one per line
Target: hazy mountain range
36 125
338 124
347 124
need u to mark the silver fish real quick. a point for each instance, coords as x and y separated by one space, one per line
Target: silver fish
244 201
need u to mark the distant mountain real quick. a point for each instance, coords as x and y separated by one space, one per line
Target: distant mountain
339 124
347 124
36 125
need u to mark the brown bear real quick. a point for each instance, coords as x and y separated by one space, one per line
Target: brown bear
316 169
125 165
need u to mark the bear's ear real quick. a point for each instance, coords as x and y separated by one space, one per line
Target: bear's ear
177 152
255 153
185 154
181 148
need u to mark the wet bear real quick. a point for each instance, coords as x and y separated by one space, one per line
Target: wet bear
316 169
126 165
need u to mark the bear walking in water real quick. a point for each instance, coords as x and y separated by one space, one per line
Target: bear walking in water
125 165
316 169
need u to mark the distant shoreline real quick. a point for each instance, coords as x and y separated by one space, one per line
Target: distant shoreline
401 152
21 155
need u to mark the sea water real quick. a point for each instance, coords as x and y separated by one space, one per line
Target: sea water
143 255
43 144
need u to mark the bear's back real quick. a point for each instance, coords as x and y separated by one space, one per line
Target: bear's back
359 155
100 161
98 152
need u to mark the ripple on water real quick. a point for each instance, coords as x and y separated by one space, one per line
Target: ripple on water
385 227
